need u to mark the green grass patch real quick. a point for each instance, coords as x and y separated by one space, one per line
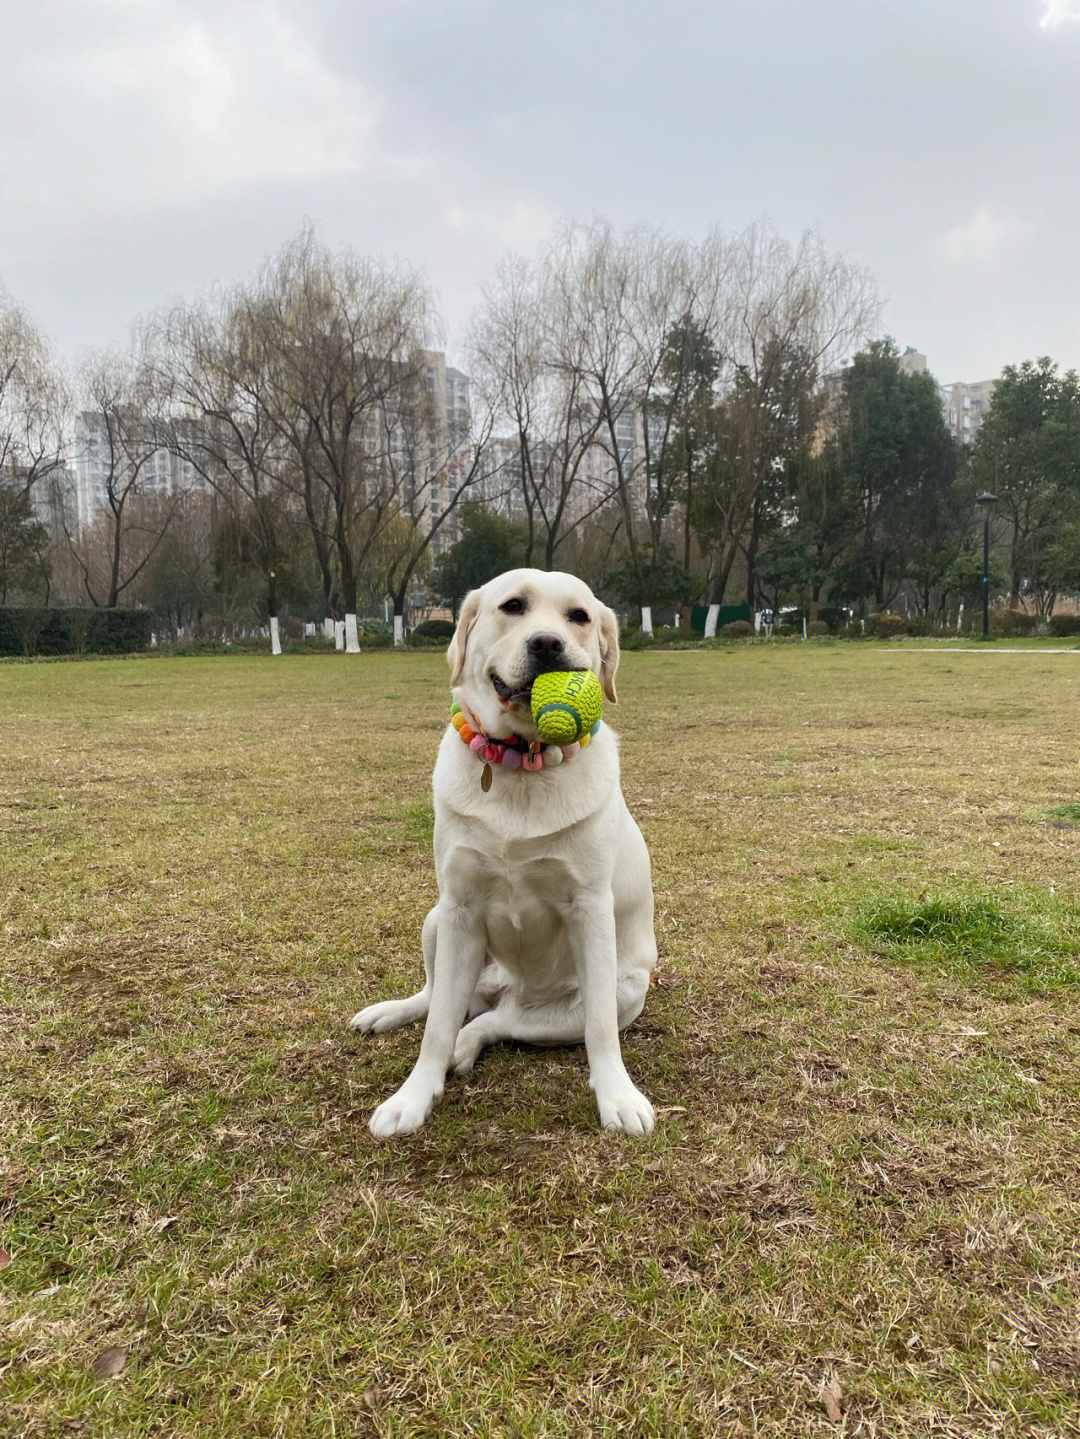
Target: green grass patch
1068 813
1030 933
420 823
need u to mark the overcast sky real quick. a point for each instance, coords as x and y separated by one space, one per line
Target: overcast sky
149 148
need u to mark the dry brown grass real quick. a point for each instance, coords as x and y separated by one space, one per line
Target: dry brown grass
858 1213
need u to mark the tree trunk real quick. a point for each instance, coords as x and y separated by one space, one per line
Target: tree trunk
646 619
352 637
711 617
271 606
752 543
399 628
686 523
114 579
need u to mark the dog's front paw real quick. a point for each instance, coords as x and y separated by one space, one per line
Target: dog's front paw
623 1106
403 1113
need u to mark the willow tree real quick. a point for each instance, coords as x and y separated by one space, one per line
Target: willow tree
32 405
346 339
526 350
213 364
121 435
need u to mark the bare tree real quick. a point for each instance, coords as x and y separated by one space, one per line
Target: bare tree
625 295
438 470
33 400
788 316
215 362
124 454
347 353
32 406
526 349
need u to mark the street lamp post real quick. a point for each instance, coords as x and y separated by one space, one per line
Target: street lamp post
987 501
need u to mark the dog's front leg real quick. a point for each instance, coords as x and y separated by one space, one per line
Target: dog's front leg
459 955
592 941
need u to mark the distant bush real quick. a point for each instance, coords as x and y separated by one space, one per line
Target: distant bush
816 628
925 625
33 631
885 626
1064 625
835 616
383 640
434 630
737 630
1016 622
634 640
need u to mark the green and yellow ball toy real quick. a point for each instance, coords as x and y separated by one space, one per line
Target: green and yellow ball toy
566 705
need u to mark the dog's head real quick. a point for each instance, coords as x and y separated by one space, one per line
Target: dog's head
521 625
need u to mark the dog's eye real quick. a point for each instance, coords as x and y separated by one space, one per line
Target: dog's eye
513 606
578 617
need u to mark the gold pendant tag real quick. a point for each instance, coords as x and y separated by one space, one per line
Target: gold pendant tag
485 779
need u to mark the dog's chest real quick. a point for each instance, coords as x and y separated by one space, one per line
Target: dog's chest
525 912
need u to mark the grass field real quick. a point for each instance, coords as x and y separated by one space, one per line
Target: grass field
860 1208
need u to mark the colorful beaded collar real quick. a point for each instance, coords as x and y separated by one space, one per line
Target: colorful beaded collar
513 753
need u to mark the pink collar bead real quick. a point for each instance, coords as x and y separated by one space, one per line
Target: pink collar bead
509 754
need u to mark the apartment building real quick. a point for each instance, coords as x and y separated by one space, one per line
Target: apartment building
913 361
94 457
964 407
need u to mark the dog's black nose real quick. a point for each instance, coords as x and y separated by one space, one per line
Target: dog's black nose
545 647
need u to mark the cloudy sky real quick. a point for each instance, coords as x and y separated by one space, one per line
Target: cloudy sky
149 148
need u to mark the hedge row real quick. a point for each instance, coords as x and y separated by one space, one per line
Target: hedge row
27 631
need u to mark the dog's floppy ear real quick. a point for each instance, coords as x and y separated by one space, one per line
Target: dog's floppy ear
455 655
609 651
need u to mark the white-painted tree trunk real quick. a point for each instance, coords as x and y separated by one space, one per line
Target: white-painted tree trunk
960 617
399 630
711 616
646 619
352 639
804 627
275 636
339 634
328 628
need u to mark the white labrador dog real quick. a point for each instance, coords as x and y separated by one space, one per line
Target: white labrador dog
544 927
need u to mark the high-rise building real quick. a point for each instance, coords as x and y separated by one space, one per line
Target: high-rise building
96 455
964 407
458 418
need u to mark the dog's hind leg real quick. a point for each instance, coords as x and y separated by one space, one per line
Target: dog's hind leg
393 1013
560 1022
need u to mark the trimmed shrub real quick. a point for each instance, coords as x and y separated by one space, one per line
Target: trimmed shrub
1017 622
816 628
634 640
434 630
31 631
737 630
1064 625
885 626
